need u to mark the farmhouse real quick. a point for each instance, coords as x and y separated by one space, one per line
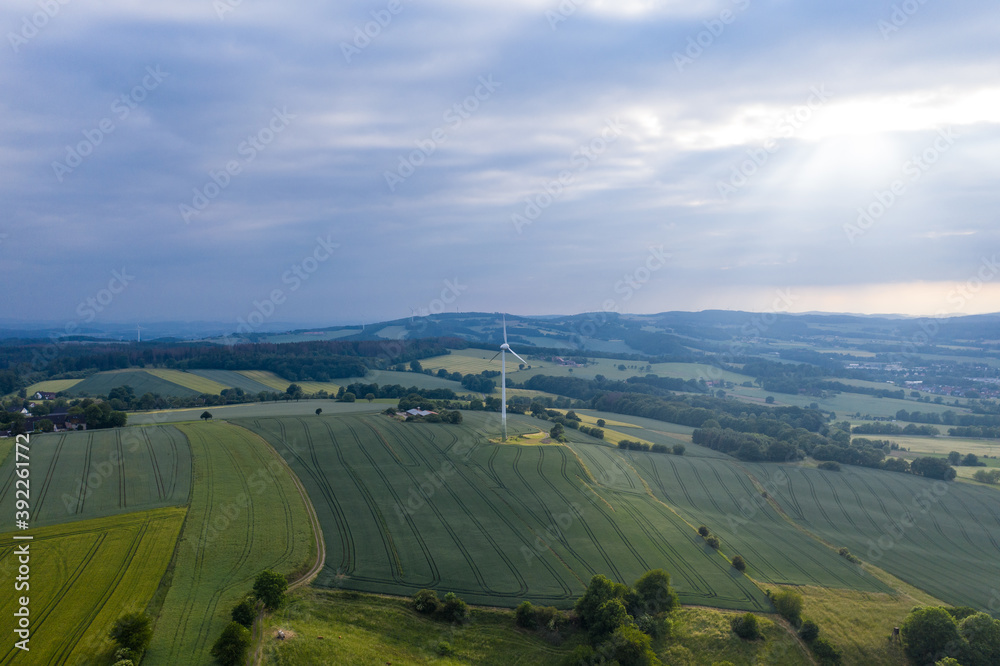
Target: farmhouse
419 412
44 395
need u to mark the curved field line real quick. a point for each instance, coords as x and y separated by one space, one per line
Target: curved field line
86 473
154 464
816 502
120 471
47 482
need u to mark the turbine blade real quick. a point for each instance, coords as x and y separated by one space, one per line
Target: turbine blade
495 357
519 358
505 329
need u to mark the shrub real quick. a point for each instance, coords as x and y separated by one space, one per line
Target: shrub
524 616
244 613
703 531
830 465
132 631
739 563
809 631
609 617
548 618
426 601
630 647
714 542
454 609
269 587
444 648
126 654
654 594
232 646
789 605
656 626
583 655
124 662
825 651
847 555
679 449
746 626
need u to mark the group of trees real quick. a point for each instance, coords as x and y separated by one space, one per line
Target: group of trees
231 648
450 609
131 633
888 428
962 635
629 445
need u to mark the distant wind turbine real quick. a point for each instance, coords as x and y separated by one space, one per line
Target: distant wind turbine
504 348
138 333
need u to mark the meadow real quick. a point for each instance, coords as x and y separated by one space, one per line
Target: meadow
91 474
84 575
141 381
245 515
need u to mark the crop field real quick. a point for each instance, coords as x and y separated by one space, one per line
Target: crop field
411 505
190 380
941 537
233 379
245 516
280 384
102 473
52 386
83 576
718 493
140 380
843 404
407 379
944 445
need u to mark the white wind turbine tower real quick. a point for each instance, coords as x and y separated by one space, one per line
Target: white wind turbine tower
504 348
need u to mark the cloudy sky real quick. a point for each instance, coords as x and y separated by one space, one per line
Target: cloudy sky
359 161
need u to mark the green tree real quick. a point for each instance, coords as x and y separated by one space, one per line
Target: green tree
269 587
415 366
557 432
610 616
45 425
769 399
601 423
369 397
232 646
703 531
746 626
206 415
599 590
454 609
679 449
349 397
654 593
426 601
789 605
739 563
524 615
244 612
926 632
294 391
132 631
631 647
983 635
319 410
809 631
826 652
954 458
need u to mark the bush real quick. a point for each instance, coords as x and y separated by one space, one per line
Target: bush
703 531
132 631
746 626
656 626
714 542
426 601
847 555
232 646
548 618
583 655
631 647
809 631
444 648
739 563
983 635
269 587
454 609
789 605
654 594
610 616
830 465
124 662
524 616
825 651
126 654
679 449
244 613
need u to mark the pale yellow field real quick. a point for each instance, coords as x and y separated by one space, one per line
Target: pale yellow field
466 361
610 436
944 445
188 380
280 383
53 385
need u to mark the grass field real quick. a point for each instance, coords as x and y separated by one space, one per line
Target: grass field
245 516
101 473
84 575
406 379
52 386
141 381
190 380
843 404
944 445
371 631
280 384
406 506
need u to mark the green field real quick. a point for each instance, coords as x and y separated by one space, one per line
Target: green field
364 630
245 515
510 523
280 384
250 409
140 380
99 473
233 379
190 380
83 576
52 386
405 379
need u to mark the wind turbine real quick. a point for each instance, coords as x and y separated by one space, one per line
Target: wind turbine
138 333
504 348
